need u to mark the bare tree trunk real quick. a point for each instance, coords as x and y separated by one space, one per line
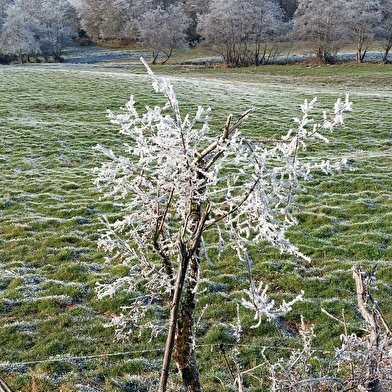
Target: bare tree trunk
180 335
175 304
182 313
362 283
168 55
388 47
184 349
154 57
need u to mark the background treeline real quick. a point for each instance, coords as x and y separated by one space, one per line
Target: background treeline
242 32
31 28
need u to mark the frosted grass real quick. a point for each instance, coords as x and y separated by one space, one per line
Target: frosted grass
52 116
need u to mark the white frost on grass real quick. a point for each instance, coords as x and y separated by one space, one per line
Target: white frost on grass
89 90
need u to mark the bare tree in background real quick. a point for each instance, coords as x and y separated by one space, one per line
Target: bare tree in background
112 20
57 25
384 30
34 28
320 24
240 31
163 30
193 9
362 17
18 36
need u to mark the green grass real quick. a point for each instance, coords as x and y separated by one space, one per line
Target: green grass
51 324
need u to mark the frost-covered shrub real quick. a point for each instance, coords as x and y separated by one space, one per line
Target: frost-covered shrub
179 181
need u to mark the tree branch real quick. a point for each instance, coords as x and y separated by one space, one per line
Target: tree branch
199 231
167 264
227 130
236 207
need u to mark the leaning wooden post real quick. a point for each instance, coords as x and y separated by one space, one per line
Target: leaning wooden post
4 387
362 283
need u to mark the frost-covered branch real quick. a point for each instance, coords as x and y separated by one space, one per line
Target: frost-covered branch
263 306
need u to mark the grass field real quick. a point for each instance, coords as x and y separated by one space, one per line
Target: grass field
52 334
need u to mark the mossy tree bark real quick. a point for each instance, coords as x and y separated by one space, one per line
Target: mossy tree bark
184 349
182 312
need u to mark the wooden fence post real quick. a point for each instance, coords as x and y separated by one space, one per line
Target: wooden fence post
369 313
4 387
